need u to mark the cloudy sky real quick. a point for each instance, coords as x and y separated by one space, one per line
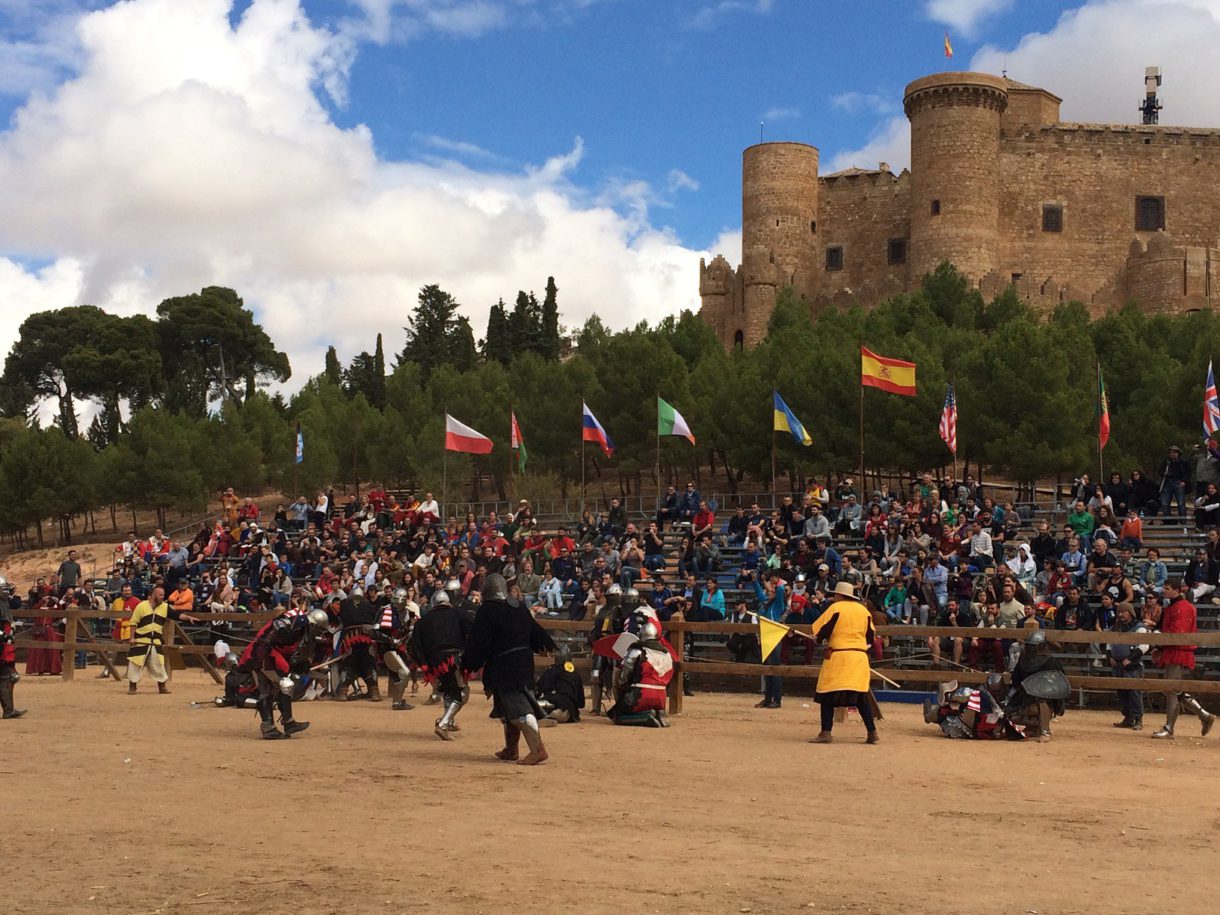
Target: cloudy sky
326 158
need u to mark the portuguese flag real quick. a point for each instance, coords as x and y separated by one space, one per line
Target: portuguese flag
1103 411
670 422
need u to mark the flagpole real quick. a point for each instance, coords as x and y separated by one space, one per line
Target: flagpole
582 459
774 393
511 477
657 504
862 487
956 416
1101 463
445 468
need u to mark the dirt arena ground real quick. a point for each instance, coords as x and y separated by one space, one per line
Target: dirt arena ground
141 804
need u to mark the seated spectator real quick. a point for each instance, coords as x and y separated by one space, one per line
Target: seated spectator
1076 563
688 504
1023 566
1200 576
1101 560
707 556
711 603
737 527
1132 532
954 613
1207 508
704 522
850 522
816 524
668 509
1082 522
1153 573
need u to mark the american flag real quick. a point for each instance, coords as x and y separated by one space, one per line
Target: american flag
1211 405
948 421
976 701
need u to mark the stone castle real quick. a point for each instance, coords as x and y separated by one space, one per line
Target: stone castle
999 187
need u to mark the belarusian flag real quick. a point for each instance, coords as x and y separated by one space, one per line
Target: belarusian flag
1103 411
670 422
518 444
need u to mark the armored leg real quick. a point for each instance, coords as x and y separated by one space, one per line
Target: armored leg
1193 706
595 704
444 725
1044 722
528 726
8 679
291 725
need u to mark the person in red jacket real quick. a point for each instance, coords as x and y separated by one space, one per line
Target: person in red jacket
1176 660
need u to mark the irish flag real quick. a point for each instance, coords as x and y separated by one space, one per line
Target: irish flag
460 437
670 422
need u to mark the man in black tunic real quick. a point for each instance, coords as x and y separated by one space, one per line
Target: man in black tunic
436 646
358 617
502 643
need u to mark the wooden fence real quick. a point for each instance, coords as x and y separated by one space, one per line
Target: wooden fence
78 636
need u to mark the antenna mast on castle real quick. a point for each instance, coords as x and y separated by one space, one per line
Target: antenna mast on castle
1151 106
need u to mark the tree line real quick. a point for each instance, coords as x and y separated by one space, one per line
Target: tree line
182 407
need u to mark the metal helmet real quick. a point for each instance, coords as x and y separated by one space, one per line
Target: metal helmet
631 599
318 618
453 586
439 599
495 587
400 598
1036 639
960 696
649 630
614 595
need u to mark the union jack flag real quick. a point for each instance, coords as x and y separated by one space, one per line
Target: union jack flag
948 421
1211 405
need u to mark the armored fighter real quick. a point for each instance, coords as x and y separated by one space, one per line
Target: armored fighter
436 646
278 657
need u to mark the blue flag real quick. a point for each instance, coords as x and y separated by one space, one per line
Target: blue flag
300 445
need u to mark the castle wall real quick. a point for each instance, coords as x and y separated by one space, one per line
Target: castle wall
1096 173
861 213
779 207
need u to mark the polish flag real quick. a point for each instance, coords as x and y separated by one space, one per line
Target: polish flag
460 437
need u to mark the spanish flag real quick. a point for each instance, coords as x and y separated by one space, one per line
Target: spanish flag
785 421
891 375
948 47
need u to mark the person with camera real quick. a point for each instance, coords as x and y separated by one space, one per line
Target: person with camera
771 602
955 613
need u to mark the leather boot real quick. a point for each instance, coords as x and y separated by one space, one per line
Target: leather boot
267 727
163 689
6 701
533 740
512 743
595 705
374 692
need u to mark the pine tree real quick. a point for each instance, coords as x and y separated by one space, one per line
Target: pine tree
495 345
430 331
548 344
333 371
377 392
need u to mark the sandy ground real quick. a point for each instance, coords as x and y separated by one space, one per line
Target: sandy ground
142 804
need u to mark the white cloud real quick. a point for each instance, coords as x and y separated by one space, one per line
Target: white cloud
781 114
712 13
863 103
890 142
965 16
456 147
190 152
1095 55
679 180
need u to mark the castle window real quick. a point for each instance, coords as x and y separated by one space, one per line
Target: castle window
896 251
935 207
777 223
1052 217
1149 214
813 228
1016 278
834 258
739 341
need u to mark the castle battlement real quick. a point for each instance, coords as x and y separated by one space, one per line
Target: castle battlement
998 186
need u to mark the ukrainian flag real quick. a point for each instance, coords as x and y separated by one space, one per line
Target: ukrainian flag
785 421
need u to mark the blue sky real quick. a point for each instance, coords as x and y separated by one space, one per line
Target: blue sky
327 158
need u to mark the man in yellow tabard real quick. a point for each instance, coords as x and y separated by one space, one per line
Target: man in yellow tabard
147 635
847 628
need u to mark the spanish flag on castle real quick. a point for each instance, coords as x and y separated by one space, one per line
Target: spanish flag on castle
891 375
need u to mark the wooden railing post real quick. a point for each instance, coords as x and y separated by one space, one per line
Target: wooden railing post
677 689
68 665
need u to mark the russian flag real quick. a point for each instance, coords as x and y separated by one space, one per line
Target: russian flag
592 431
460 437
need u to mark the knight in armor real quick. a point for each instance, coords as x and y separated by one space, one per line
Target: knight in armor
241 686
966 713
436 646
279 657
8 655
560 691
1039 688
503 642
358 618
646 670
610 620
391 638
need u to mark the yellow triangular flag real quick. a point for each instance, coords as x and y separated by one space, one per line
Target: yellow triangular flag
770 634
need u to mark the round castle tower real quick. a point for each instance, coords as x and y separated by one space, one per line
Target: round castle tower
779 210
955 165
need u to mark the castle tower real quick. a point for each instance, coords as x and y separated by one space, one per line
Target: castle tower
955 171
779 211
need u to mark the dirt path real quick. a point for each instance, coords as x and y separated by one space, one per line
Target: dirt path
140 804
